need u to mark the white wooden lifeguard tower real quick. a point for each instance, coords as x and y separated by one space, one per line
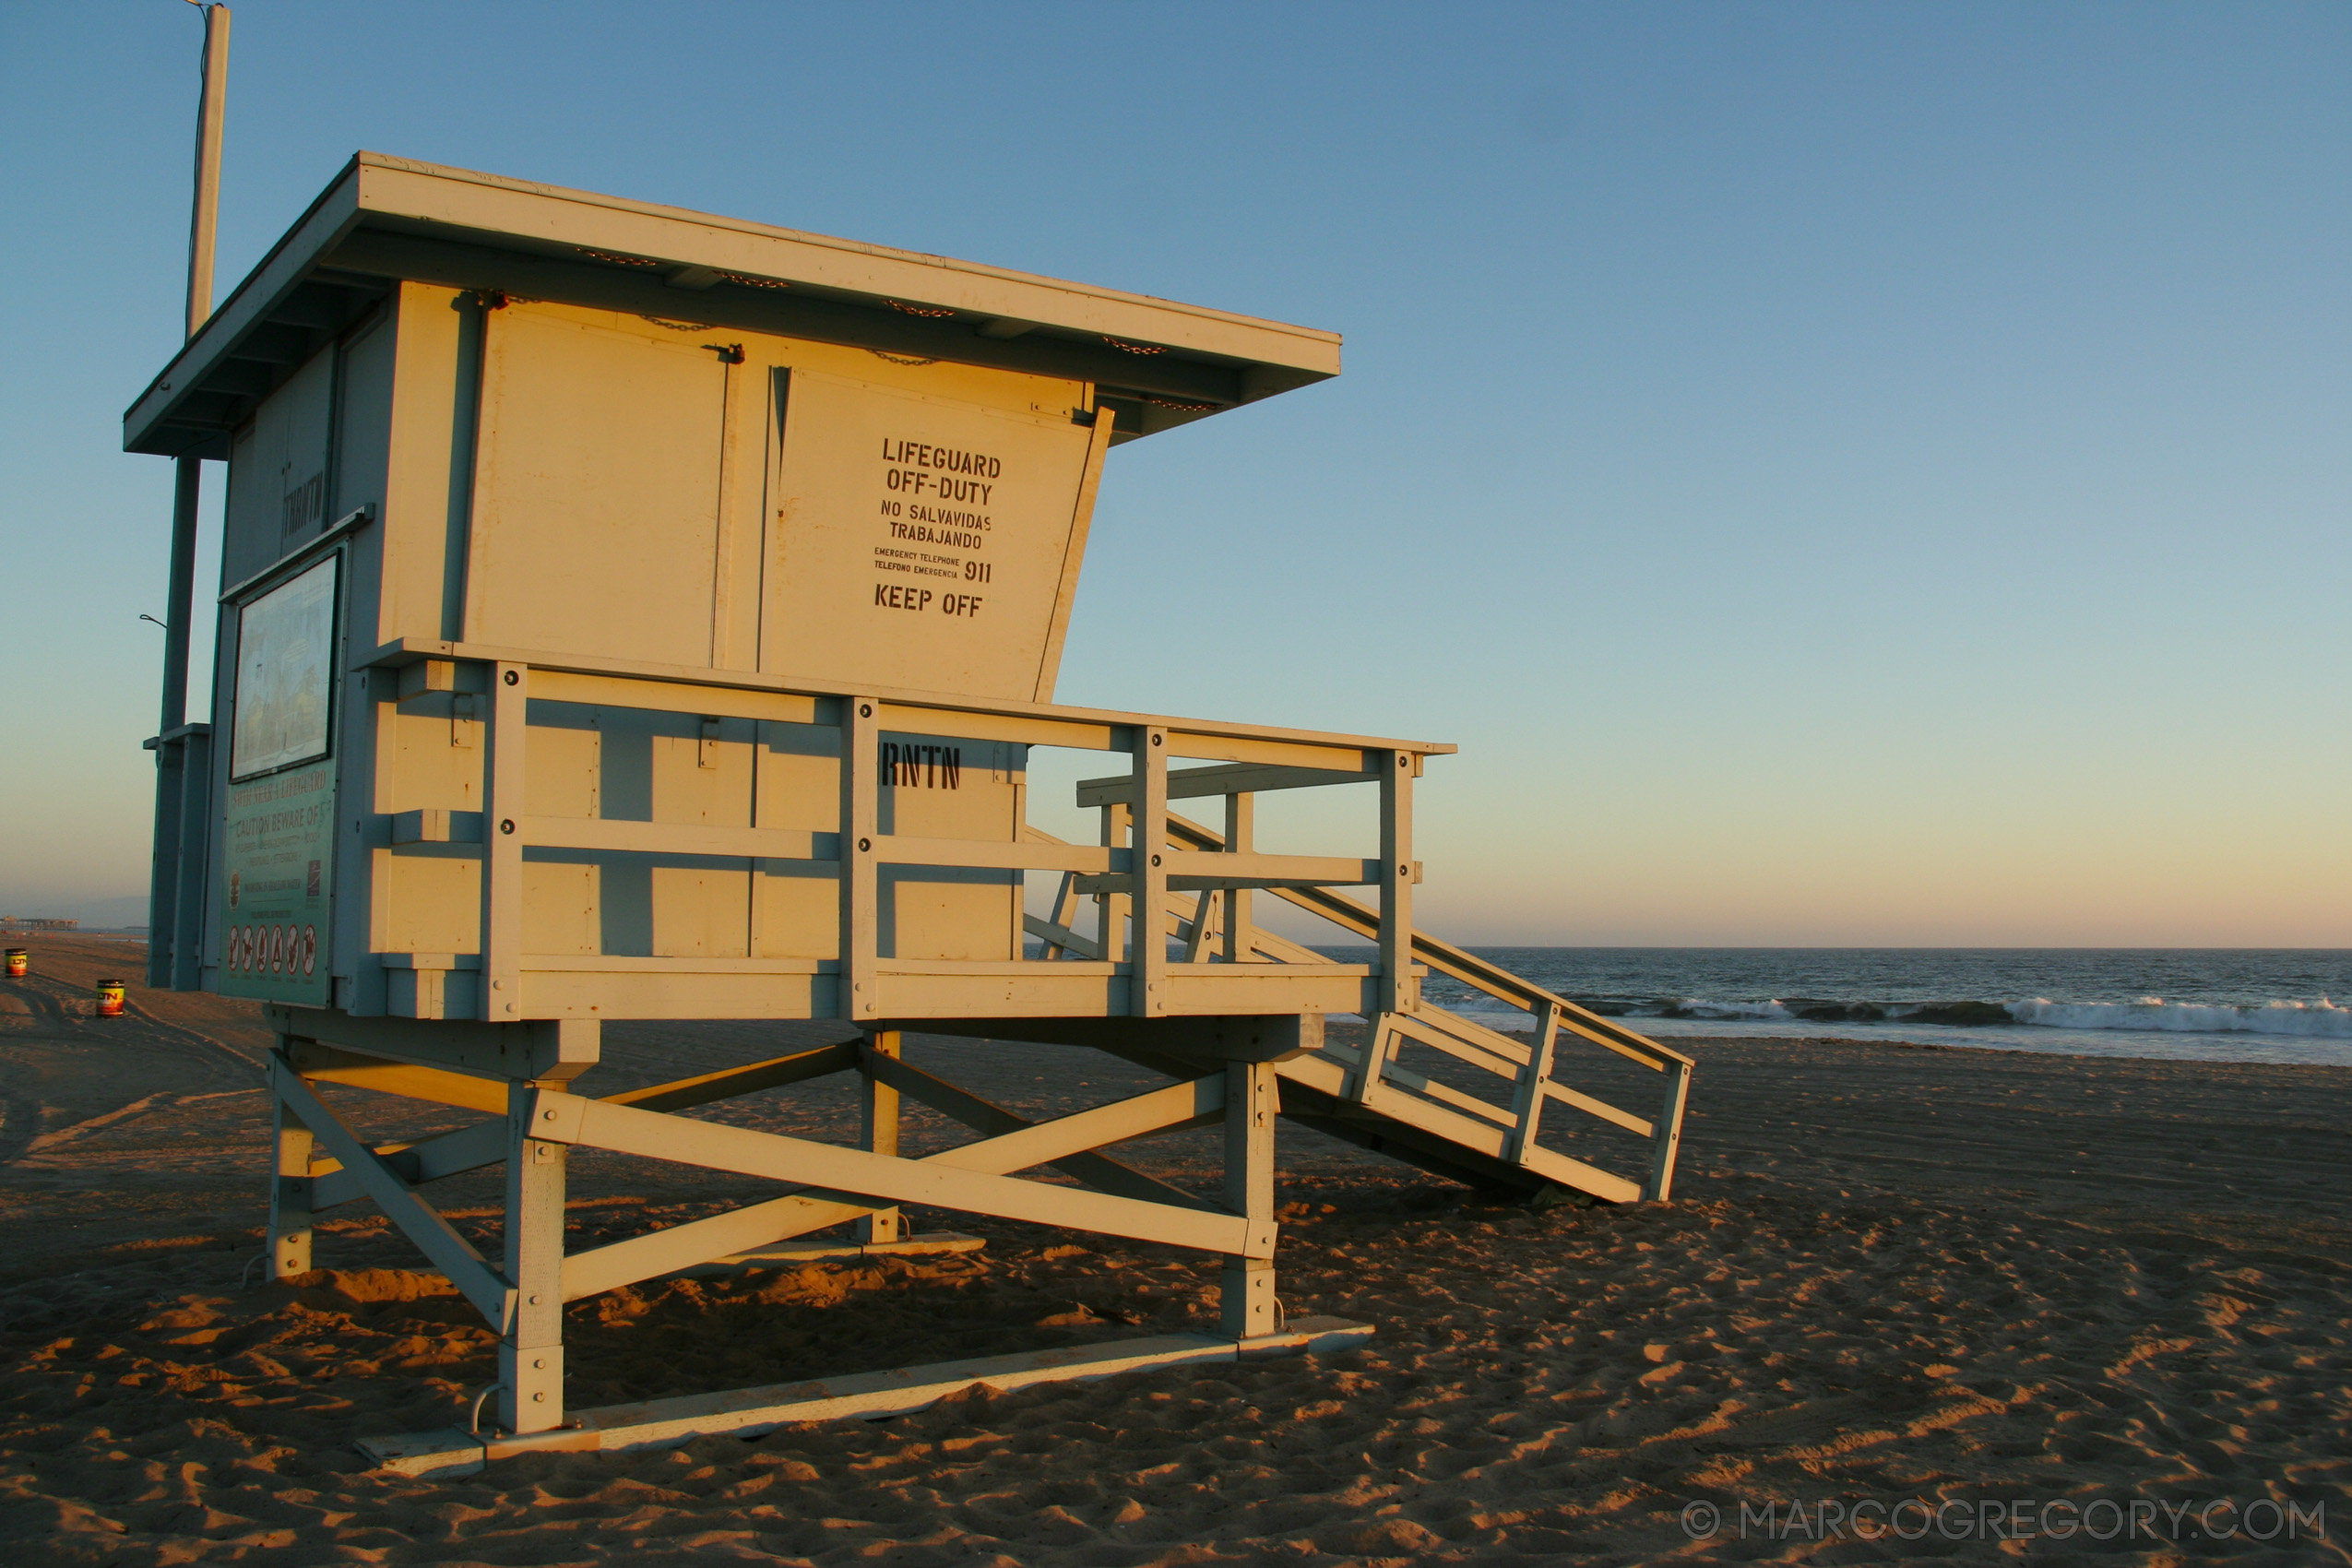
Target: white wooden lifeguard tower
632 614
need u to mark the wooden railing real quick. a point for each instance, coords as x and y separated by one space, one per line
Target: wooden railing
1194 884
1216 926
1137 868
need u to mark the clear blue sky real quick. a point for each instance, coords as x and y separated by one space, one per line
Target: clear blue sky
1843 473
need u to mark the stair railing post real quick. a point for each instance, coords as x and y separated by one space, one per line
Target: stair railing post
1399 993
1527 1096
1241 829
1204 925
1666 1144
1064 912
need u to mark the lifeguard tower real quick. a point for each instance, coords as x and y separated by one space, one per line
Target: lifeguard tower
633 614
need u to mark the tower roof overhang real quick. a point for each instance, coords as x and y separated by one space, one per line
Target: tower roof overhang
385 220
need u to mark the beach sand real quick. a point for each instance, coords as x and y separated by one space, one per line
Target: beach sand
1889 1272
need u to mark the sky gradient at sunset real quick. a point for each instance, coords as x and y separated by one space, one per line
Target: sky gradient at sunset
1843 474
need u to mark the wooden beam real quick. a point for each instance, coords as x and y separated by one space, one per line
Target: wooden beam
751 1079
1406 1078
1527 1098
1193 1103
1252 1098
1241 944
878 1125
1460 1050
434 1084
666 1251
1399 992
927 713
860 894
1602 1109
451 1154
988 853
449 1454
1060 939
1188 870
678 839
470 1148
1147 993
1232 778
1113 904
530 1348
1190 1045
502 854
293 1196
1198 931
681 1246
544 1048
1448 959
1233 867
1488 1140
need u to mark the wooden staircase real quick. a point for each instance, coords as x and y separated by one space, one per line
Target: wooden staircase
1366 1094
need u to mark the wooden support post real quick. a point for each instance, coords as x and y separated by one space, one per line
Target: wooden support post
1667 1141
1399 991
530 1350
1149 837
878 1130
290 1195
1241 820
1246 1285
502 851
1527 1096
861 806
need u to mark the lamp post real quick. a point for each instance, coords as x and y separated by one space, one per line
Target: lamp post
175 758
203 220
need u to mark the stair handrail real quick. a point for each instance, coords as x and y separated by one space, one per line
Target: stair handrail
1448 959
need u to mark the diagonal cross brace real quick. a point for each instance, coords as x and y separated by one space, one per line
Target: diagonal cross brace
854 1174
470 1148
674 1247
1066 1142
750 1078
763 1224
451 1154
433 1235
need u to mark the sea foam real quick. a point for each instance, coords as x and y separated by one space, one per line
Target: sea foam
2322 1019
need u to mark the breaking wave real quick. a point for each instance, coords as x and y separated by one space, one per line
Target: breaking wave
2322 1019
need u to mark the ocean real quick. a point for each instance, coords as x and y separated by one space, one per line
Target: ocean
2217 1004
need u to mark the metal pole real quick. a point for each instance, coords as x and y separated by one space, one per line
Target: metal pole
212 106
187 483
179 609
165 925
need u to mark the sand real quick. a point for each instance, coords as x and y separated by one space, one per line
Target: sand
1889 1273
